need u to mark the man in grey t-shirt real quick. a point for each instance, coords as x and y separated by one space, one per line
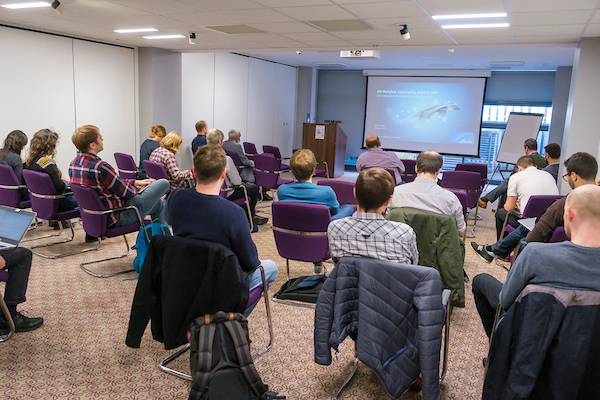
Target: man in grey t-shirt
566 265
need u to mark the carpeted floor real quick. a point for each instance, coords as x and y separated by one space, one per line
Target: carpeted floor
80 351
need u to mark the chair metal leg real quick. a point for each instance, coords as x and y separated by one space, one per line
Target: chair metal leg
60 242
45 236
11 324
287 268
107 259
446 341
350 376
269 320
496 318
163 364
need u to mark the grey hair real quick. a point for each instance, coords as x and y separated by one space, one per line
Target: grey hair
213 136
233 134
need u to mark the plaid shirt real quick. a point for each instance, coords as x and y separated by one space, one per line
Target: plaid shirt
177 177
371 235
89 170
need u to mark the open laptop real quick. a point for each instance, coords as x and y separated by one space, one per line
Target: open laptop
13 226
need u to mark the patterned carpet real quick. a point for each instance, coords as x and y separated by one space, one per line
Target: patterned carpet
80 351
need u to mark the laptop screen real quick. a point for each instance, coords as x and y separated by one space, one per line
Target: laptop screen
14 224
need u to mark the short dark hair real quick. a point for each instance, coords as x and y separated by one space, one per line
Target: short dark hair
553 150
583 164
303 164
373 143
374 187
525 161
429 162
200 125
84 136
14 143
531 144
209 163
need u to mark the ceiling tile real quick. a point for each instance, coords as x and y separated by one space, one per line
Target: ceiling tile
293 3
550 5
413 22
547 39
329 43
551 30
203 18
549 18
154 21
445 7
596 18
286 27
367 35
436 33
310 37
482 32
69 14
158 6
369 44
222 5
105 9
316 13
263 15
397 9
592 30
484 40
7 15
264 37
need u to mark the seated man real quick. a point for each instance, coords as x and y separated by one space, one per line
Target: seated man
565 265
552 156
376 157
215 137
17 261
529 181
200 139
425 194
200 213
581 169
87 169
303 164
366 233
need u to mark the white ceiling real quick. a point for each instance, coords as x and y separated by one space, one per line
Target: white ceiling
543 34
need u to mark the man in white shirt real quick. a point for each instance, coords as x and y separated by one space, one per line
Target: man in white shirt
528 181
425 194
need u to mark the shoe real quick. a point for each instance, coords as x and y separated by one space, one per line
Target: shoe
318 268
266 197
91 239
254 229
505 259
484 361
22 323
482 204
485 255
258 220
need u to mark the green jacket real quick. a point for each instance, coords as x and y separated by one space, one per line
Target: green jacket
539 160
439 247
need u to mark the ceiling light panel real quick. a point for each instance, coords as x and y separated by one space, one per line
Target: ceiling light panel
158 37
475 26
18 6
469 16
135 30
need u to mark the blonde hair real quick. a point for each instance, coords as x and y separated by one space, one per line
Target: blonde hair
84 136
171 142
158 132
303 164
213 136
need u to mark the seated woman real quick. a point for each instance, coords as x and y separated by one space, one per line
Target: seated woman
41 153
10 155
303 164
156 134
165 154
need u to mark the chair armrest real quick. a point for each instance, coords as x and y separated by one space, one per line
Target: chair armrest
118 209
48 196
445 296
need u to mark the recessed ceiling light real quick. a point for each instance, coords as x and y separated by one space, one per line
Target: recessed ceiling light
26 5
164 37
471 26
467 16
136 30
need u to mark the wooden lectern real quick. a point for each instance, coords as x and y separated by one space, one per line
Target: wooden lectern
331 148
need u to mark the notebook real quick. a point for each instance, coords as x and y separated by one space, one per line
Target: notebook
13 226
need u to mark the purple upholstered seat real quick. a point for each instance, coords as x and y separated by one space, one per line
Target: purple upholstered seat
250 148
559 235
474 167
534 208
10 189
266 171
126 166
155 170
344 191
468 182
268 149
409 174
240 202
392 173
462 197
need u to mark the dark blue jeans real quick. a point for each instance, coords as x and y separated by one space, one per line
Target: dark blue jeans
504 247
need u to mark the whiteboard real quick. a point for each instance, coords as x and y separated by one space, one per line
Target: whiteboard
520 127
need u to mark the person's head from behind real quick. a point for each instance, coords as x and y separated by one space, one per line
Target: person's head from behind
429 162
303 164
580 169
525 162
201 127
552 152
210 162
157 133
171 142
373 142
582 212
43 144
530 145
215 136
373 190
87 139
14 142
234 135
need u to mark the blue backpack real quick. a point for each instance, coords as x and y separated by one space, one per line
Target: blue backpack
143 240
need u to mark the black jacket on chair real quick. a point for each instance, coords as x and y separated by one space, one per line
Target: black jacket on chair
180 280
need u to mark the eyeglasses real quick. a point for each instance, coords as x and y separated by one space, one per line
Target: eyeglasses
565 177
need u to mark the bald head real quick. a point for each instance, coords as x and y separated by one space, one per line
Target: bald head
373 142
585 201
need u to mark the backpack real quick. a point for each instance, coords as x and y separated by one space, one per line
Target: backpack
220 360
143 240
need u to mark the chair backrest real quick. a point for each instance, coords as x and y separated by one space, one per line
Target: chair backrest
474 167
249 148
462 197
559 235
265 170
126 166
538 204
268 149
10 192
155 170
300 230
42 192
409 174
234 156
393 174
344 191
90 207
466 181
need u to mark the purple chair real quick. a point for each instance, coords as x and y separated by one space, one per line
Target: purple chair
236 160
559 235
534 208
468 182
95 223
274 150
267 172
300 231
475 167
250 150
240 202
392 173
126 166
462 197
344 191
319 172
11 324
409 174
155 170
10 189
44 201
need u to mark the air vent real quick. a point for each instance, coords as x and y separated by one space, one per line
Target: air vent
235 29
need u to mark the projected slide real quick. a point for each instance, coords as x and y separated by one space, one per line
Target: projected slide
426 113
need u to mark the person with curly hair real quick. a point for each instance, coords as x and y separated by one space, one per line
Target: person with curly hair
148 146
165 154
10 155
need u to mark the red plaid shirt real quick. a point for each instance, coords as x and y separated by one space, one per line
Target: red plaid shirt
89 170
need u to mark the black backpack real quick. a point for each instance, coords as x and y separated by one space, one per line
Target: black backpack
220 360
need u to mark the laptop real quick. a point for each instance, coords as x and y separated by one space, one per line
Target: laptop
14 223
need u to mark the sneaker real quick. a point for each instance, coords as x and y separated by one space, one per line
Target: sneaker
266 197
258 220
22 323
485 254
482 204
